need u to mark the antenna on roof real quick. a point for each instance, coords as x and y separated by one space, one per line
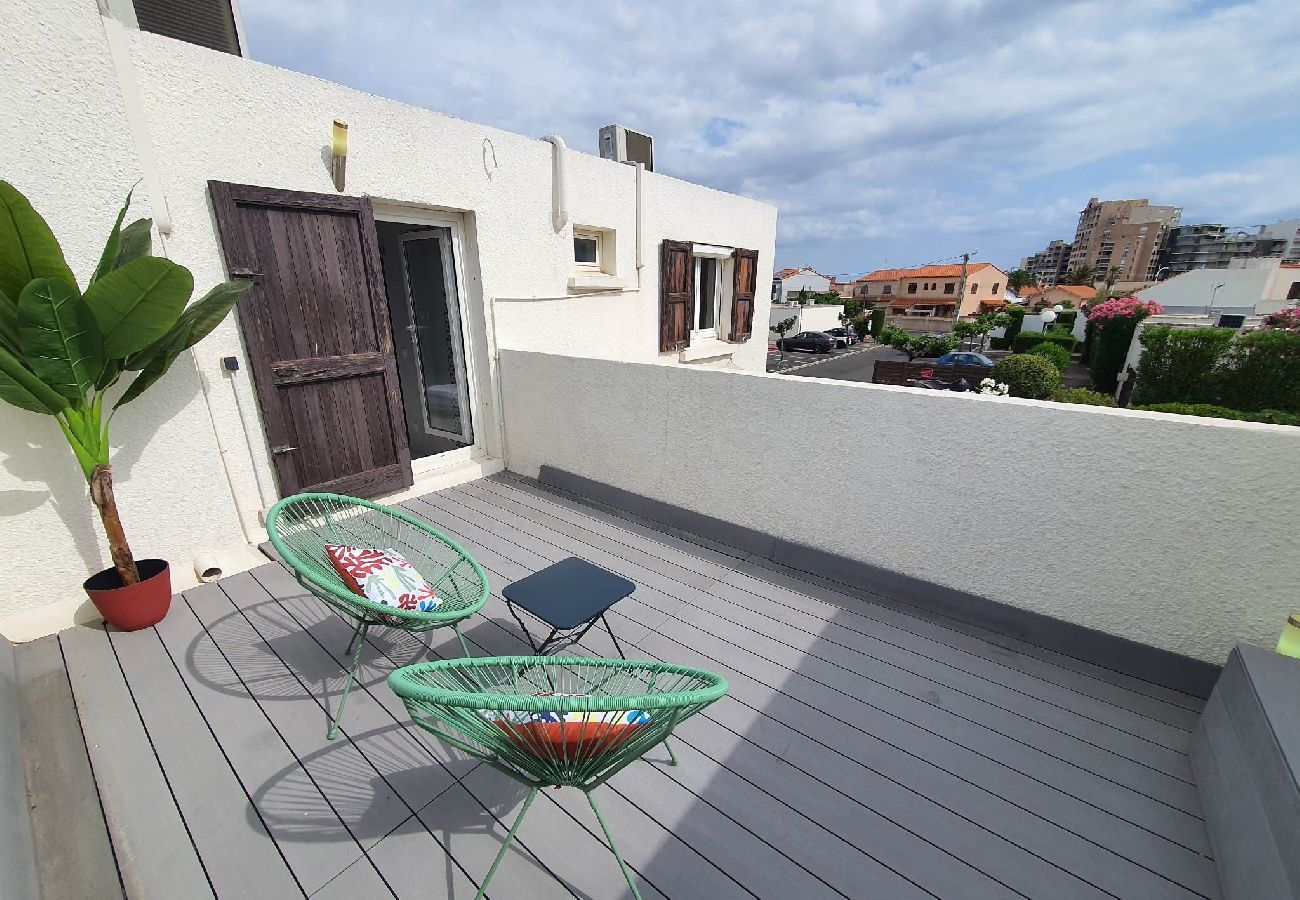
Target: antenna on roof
954 257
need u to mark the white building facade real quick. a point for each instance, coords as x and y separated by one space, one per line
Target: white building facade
532 246
787 284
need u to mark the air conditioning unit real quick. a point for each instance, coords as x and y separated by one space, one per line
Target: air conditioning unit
627 146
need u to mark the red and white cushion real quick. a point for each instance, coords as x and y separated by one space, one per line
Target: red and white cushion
569 734
382 576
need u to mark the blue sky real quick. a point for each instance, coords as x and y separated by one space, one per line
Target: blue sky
887 133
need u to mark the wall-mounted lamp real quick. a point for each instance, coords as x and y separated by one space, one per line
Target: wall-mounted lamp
1289 643
339 154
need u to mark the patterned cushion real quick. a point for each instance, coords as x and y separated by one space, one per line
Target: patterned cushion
382 576
568 734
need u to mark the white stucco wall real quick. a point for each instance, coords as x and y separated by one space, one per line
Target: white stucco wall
64 143
791 286
212 116
818 317
1169 551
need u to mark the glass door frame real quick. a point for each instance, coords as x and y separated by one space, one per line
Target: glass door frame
454 222
459 360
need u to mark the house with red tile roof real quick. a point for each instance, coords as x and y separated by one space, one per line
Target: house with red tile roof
935 290
1076 294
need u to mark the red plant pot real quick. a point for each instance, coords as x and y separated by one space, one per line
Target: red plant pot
134 606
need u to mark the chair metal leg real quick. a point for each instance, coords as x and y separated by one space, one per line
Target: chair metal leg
356 636
627 873
460 637
354 650
672 757
506 845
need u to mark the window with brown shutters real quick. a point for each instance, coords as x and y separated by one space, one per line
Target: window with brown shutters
745 269
676 295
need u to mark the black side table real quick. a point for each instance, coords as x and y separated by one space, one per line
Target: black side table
570 595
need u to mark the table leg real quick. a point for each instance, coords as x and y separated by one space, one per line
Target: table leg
524 628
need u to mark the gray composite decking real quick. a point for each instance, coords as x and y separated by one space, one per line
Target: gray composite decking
866 748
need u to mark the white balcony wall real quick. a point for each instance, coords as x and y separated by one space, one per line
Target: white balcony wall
186 470
1171 531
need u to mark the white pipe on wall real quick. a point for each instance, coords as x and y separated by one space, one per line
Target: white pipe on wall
640 169
559 194
207 567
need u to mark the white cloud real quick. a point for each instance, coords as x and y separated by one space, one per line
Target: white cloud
933 122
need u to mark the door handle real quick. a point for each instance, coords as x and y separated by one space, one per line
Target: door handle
283 448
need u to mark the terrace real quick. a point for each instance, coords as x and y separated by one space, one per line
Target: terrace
867 747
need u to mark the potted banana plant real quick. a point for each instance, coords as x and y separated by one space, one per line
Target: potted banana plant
67 353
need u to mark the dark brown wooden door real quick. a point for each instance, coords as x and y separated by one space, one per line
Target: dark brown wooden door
316 328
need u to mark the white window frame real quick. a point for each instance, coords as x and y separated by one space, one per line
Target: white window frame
591 234
721 257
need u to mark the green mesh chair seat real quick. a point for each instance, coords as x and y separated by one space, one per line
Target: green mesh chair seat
554 721
301 526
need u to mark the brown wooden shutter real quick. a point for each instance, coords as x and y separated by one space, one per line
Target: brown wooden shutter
745 269
676 295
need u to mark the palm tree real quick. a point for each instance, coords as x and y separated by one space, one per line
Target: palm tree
1081 275
1020 279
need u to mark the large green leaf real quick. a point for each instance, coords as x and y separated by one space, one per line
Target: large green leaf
23 389
137 241
138 303
27 246
108 259
195 323
8 322
59 337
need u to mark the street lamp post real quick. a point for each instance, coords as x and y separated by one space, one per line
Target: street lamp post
1048 316
1213 294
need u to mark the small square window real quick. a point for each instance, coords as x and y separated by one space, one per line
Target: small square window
949 287
889 289
587 249
911 287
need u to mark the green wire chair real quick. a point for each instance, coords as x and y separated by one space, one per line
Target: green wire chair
300 526
488 708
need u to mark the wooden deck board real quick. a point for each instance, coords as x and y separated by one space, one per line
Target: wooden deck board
990 806
897 690
155 854
866 748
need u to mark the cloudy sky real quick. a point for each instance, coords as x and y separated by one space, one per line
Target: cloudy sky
896 133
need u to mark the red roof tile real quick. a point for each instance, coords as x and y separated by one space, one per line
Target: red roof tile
952 271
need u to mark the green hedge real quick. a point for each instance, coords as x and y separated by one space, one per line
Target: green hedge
1215 366
1107 350
1026 341
1015 318
1026 375
1262 372
1209 410
1181 365
1053 353
878 320
1065 320
1086 397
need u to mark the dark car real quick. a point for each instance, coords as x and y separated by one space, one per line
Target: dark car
812 341
844 337
963 358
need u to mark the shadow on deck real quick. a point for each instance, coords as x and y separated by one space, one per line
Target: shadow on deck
866 748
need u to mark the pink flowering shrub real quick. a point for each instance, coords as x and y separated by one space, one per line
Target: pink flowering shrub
1127 309
1285 320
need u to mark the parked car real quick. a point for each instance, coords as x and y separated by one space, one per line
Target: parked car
812 341
844 337
962 358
